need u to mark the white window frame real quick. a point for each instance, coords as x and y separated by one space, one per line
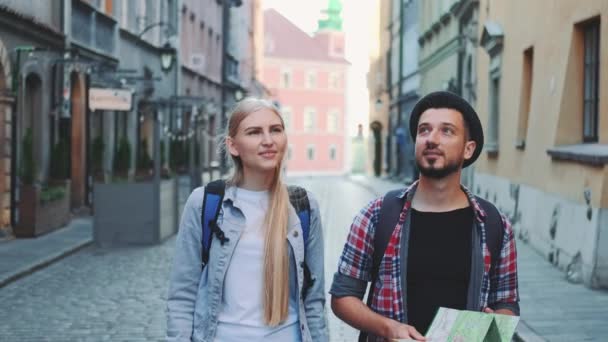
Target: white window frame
334 149
310 112
282 82
333 121
311 79
310 148
287 115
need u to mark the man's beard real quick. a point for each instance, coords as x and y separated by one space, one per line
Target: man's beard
439 173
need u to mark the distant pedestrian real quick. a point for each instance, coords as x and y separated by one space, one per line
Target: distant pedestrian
433 244
262 278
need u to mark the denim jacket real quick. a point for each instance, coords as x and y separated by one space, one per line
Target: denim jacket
195 294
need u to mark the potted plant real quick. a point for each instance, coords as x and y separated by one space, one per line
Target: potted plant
29 191
43 207
97 147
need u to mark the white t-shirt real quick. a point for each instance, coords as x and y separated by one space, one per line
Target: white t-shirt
242 316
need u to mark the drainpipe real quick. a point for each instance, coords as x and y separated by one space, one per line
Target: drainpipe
225 34
400 147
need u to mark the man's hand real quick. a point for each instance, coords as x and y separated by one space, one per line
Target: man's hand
500 311
400 330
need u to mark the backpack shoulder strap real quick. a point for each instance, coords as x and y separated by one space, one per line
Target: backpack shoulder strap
299 200
387 221
212 203
494 228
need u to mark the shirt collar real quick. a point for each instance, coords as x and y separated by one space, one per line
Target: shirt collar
480 215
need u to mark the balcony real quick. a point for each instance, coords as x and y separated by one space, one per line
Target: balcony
92 29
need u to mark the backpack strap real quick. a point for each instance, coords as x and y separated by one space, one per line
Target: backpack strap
212 203
387 221
390 210
299 200
494 229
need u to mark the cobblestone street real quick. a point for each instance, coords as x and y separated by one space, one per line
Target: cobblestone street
119 294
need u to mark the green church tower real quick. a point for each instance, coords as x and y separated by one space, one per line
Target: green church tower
334 17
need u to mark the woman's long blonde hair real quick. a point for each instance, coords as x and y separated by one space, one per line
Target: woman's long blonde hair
276 263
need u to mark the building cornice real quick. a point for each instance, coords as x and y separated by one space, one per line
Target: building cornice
589 154
28 25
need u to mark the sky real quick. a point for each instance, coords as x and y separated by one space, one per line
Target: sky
357 29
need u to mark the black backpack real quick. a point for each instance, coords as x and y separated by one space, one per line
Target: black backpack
390 210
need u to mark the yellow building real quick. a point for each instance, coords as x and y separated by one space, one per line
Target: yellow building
541 68
378 91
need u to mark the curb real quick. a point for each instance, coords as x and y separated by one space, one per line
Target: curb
38 265
526 334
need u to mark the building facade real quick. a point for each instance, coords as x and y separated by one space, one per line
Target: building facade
31 49
399 43
547 133
377 85
307 77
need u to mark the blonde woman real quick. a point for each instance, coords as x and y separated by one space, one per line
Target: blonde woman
253 287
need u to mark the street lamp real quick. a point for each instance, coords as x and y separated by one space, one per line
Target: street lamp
167 54
238 95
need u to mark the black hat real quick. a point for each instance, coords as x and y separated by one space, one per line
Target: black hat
445 99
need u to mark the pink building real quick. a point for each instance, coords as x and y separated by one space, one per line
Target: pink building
307 77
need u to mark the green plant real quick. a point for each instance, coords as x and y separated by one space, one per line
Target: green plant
28 168
59 160
97 155
144 162
53 193
178 158
122 158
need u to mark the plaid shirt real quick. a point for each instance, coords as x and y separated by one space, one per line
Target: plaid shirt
388 294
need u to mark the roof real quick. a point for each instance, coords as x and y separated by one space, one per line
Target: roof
283 39
4 9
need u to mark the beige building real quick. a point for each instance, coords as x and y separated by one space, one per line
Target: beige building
439 46
377 88
541 67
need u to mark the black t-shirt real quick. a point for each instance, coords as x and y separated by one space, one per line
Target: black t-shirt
438 264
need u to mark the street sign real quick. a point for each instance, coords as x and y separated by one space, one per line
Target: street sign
110 99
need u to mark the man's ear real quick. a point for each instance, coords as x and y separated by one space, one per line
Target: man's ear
231 147
469 149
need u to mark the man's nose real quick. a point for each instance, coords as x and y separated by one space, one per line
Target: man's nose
433 137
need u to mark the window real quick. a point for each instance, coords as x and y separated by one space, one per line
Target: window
310 152
526 96
311 79
333 152
334 80
309 119
289 152
492 144
287 115
591 77
286 79
124 15
332 121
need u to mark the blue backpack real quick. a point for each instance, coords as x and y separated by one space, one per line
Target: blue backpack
212 203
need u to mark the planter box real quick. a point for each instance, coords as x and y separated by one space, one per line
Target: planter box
37 218
134 213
